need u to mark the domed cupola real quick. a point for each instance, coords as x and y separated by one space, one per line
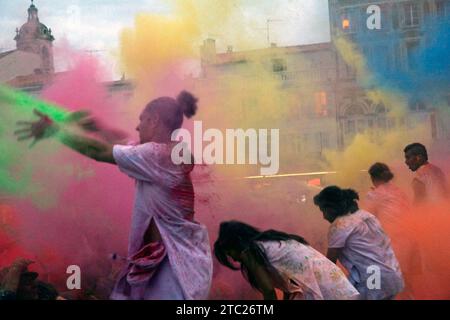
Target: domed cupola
36 37
33 12
33 28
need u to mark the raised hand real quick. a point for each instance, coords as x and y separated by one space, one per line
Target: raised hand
40 129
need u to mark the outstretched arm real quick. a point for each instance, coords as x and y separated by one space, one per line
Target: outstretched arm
90 124
91 148
45 127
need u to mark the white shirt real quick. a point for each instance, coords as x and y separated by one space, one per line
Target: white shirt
164 192
364 245
305 270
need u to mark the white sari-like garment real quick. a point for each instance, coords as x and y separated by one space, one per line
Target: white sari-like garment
164 193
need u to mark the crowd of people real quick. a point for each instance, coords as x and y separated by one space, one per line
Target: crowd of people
169 254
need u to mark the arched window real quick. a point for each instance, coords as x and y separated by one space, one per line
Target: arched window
412 14
380 108
440 8
354 110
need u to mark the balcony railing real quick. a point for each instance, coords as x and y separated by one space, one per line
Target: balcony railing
322 75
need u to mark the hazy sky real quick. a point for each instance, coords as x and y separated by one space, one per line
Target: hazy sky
96 24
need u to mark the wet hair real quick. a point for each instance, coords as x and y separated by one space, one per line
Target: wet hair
342 201
241 237
381 172
171 111
417 149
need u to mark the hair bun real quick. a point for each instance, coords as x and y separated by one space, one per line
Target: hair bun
350 194
188 103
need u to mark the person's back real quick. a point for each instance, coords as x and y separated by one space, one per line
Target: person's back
307 273
365 247
390 205
434 181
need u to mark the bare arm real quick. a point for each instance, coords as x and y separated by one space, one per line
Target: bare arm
262 277
91 148
90 124
44 128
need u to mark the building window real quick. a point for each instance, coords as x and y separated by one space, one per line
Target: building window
295 108
348 22
324 140
350 71
411 49
321 103
440 8
279 65
426 8
417 105
396 60
350 127
391 123
306 142
411 14
345 24
381 123
361 125
395 18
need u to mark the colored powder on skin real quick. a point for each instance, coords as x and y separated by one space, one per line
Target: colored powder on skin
59 201
15 171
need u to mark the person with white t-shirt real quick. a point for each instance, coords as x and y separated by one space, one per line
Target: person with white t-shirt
358 241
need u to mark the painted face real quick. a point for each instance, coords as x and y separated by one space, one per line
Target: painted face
146 127
413 162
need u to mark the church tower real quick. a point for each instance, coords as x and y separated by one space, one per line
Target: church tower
36 38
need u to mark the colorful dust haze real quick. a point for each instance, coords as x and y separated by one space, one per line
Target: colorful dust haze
62 209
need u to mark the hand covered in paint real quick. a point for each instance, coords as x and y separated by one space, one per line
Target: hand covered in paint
40 129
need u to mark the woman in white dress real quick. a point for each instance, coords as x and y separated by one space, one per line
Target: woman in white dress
275 260
169 256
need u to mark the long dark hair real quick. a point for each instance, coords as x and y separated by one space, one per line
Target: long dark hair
342 201
241 237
